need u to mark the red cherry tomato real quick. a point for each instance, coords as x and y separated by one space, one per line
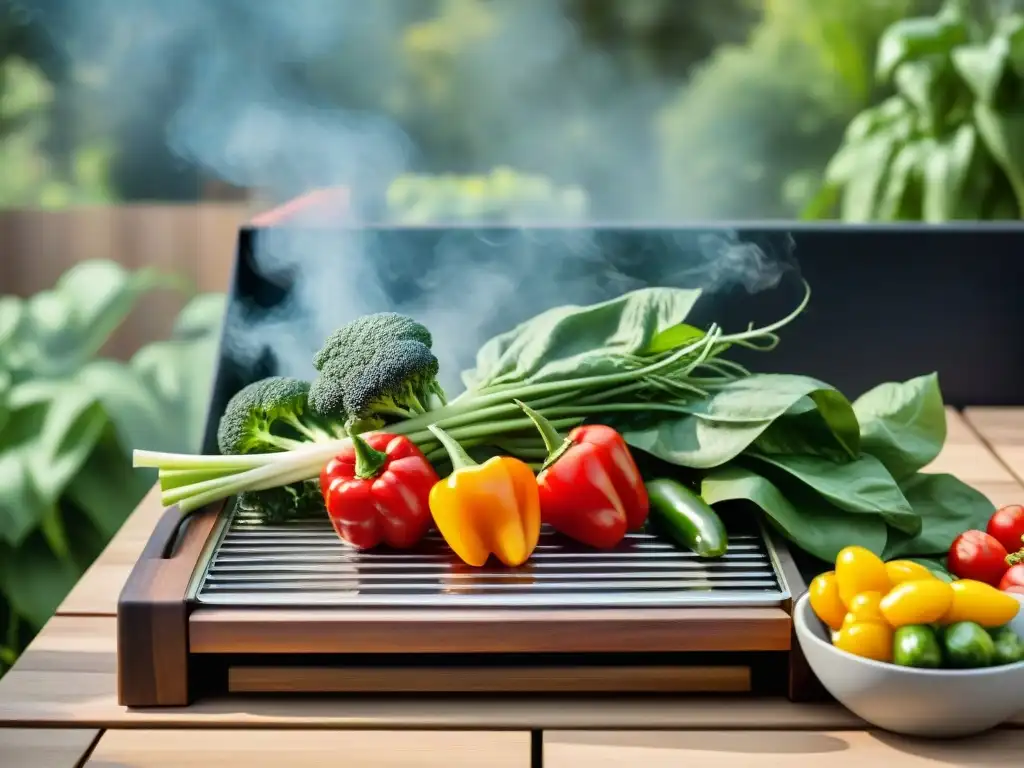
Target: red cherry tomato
1007 526
1014 577
976 555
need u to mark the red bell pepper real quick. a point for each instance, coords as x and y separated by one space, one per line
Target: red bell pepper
590 487
377 491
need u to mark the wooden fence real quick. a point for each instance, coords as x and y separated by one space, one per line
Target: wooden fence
195 241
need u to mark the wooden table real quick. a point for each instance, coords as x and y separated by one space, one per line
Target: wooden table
58 706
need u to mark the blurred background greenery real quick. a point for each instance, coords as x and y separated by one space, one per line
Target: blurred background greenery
574 110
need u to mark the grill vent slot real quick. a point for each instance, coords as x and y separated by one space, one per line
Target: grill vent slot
303 563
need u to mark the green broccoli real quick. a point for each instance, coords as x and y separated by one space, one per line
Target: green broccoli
272 414
373 369
286 502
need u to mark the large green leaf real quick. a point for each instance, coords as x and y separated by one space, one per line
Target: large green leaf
135 410
903 425
724 426
863 191
69 324
180 375
819 529
21 507
12 310
947 507
983 67
35 580
863 486
571 339
201 317
107 488
903 184
947 165
1003 134
914 38
73 423
926 84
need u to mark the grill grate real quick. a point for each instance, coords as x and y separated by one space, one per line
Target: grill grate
303 563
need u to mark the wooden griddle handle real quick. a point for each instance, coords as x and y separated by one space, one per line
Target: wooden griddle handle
152 613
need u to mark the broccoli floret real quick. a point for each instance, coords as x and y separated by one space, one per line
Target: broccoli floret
285 502
358 341
376 368
271 415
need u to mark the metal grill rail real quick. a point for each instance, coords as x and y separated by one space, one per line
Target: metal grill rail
303 563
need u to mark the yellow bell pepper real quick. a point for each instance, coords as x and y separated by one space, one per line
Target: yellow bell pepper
860 570
981 603
486 509
906 570
922 601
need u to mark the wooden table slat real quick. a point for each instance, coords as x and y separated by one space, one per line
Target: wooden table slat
310 749
771 749
1002 430
45 747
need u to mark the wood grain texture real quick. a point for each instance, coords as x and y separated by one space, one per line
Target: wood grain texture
761 749
152 616
310 749
488 631
44 747
67 677
569 679
1002 429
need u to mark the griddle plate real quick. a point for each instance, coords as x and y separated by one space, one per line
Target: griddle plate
303 563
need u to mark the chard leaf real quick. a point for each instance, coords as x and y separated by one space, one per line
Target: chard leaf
947 508
820 529
571 340
903 425
863 486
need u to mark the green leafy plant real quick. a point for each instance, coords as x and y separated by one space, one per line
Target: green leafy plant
749 134
949 142
68 420
501 196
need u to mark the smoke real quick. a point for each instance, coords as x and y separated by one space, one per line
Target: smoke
251 110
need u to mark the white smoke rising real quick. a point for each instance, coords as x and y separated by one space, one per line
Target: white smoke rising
248 114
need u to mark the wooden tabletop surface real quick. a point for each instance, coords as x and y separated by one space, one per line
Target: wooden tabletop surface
58 706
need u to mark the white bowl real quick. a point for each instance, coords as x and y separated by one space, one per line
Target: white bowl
938 703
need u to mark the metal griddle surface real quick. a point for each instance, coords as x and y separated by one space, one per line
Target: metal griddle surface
303 563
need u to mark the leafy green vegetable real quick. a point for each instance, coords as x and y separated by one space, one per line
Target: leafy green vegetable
818 529
861 486
903 424
572 340
947 507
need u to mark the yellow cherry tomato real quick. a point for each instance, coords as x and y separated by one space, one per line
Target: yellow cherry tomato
923 601
824 599
865 609
869 640
860 570
981 603
906 570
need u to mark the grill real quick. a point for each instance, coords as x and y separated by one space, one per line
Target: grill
304 563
